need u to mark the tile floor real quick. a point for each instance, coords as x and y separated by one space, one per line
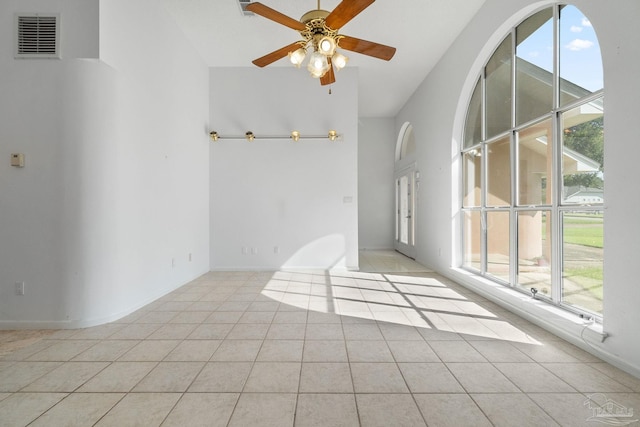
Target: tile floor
402 348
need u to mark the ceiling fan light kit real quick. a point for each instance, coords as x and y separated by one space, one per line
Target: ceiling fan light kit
295 136
319 31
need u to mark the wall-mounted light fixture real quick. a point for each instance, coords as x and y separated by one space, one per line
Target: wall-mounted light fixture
295 136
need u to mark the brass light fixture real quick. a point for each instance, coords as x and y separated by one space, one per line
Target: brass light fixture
295 136
319 39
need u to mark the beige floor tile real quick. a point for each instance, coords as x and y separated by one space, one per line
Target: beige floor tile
533 378
290 317
136 331
450 410
326 378
222 377
157 317
377 378
356 331
368 351
25 352
174 306
22 374
106 351
394 332
617 374
324 332
286 331
224 317
248 332
456 351
323 317
429 378
412 351
4 396
237 351
257 317
172 331
67 377
140 409
264 409
585 378
388 410
79 409
211 331
500 351
149 351
202 410
436 333
97 332
118 377
568 409
169 377
545 352
481 378
325 351
62 351
203 306
20 409
322 410
504 409
234 306
193 351
265 306
273 377
281 351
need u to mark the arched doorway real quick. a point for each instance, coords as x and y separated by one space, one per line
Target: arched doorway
406 182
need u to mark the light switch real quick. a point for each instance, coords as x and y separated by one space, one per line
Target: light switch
17 160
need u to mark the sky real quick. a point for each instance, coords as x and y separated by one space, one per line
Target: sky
580 58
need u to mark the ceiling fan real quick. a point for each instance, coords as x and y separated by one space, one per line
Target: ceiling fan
319 31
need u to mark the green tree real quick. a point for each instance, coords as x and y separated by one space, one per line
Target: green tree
587 139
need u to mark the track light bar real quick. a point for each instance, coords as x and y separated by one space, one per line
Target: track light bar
295 136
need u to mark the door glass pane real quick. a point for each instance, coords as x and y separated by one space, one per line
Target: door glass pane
534 164
499 172
473 124
583 259
583 154
498 244
534 66
397 210
471 178
472 240
404 210
498 85
534 251
580 57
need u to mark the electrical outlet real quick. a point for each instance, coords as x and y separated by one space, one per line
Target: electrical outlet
19 288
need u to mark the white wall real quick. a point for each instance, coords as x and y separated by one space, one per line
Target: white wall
376 156
437 111
114 195
277 193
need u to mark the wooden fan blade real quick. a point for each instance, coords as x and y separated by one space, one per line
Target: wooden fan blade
365 47
329 77
275 55
274 15
345 12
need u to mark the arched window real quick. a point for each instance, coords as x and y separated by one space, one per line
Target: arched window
533 164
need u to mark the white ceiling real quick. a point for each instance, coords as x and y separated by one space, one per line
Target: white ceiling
421 30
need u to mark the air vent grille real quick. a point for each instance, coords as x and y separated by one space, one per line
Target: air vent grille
243 7
37 36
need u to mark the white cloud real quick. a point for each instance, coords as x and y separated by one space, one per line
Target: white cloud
585 22
579 44
576 29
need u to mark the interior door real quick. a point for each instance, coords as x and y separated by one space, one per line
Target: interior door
405 212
